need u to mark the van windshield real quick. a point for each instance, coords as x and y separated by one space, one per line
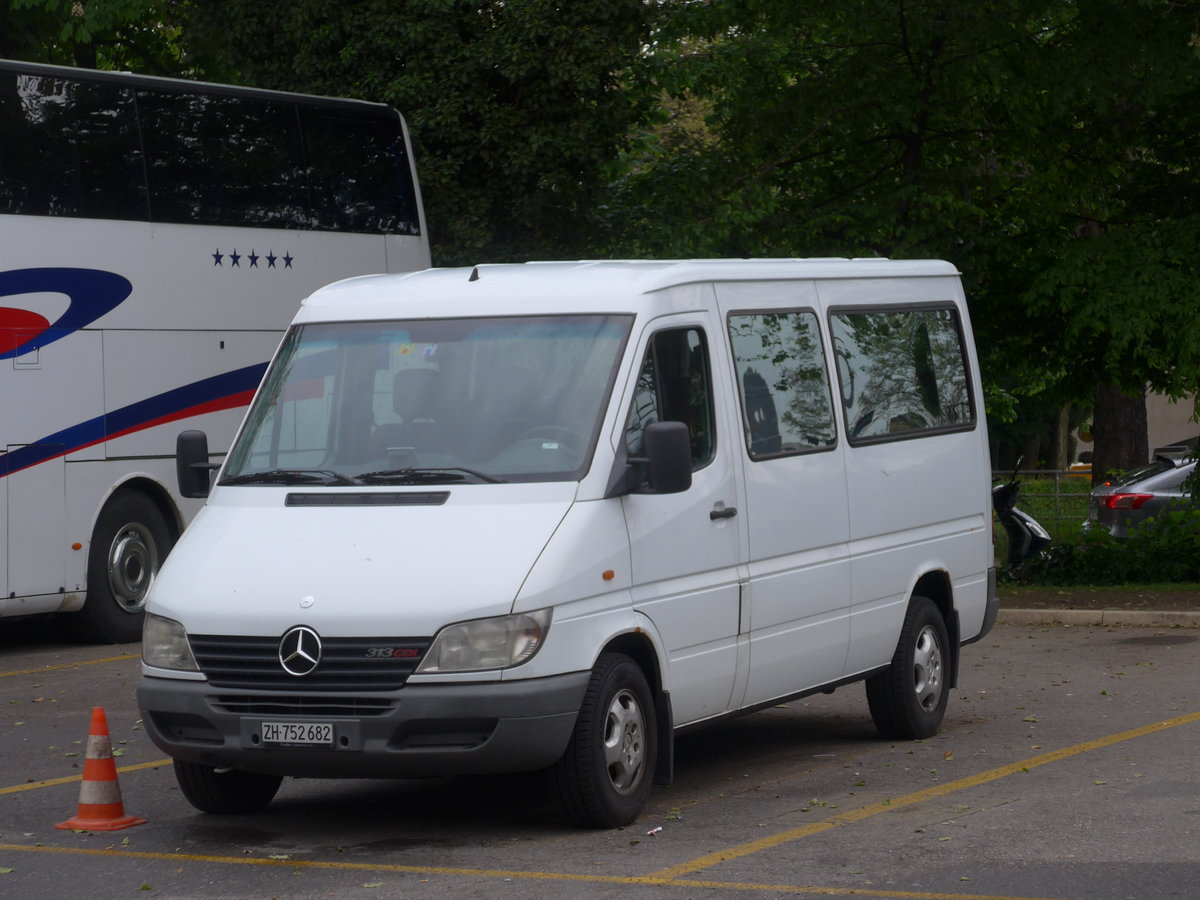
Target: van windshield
446 401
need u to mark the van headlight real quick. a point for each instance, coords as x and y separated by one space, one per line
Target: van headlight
498 643
165 645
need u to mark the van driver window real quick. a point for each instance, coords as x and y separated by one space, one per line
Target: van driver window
674 385
783 383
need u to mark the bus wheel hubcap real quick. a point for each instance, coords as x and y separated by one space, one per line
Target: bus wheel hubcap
132 562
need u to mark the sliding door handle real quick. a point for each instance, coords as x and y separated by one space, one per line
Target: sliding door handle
722 512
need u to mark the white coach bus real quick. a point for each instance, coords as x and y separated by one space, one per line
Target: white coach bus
156 237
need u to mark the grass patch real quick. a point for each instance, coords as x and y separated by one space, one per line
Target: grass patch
1019 590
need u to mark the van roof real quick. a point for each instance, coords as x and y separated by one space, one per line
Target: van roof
584 285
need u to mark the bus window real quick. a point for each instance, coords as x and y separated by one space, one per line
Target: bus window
359 173
68 148
223 160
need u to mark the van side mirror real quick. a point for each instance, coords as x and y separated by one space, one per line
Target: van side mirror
668 457
192 468
665 469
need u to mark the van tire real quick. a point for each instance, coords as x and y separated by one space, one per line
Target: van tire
233 792
908 698
129 543
607 771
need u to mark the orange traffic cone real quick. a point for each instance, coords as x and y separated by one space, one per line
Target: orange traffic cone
100 806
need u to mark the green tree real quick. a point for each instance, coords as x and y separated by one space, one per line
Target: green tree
138 35
1042 145
1045 146
516 107
1118 275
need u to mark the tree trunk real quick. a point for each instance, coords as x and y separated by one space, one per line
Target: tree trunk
1119 429
1059 458
1031 453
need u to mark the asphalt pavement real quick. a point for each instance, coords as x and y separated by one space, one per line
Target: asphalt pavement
1065 771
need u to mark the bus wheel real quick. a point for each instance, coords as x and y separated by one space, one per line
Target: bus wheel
605 775
908 699
129 544
225 791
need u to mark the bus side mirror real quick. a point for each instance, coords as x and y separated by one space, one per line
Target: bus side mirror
192 467
668 457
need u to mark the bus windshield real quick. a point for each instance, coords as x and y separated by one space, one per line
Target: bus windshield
447 401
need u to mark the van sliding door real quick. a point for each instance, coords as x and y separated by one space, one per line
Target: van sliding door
798 597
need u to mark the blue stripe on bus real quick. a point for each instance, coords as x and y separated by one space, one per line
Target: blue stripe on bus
224 391
92 293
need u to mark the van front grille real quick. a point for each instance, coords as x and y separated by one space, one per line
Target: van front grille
350 665
257 705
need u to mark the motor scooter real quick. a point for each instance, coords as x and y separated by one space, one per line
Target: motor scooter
1026 537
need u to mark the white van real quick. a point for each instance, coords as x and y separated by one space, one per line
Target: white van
545 516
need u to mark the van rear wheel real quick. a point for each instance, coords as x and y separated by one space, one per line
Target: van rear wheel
220 791
908 699
607 771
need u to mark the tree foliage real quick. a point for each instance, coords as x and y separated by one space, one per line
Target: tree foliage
1044 146
516 107
139 35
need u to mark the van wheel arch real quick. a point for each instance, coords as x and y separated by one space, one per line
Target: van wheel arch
936 586
604 776
638 647
908 698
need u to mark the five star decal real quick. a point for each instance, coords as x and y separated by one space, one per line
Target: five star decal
251 260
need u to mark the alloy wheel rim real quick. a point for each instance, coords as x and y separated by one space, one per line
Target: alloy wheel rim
624 741
927 669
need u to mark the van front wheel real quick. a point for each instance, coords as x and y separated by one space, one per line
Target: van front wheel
213 790
908 699
605 775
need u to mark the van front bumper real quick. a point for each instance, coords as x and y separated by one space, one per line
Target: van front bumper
419 730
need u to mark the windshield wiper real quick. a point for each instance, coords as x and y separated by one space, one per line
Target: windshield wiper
291 476
432 475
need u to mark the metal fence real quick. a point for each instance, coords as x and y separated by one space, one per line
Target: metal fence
1056 498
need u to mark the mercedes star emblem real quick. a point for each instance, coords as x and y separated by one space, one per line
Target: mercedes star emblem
300 651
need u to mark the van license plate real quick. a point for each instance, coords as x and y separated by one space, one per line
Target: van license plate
304 733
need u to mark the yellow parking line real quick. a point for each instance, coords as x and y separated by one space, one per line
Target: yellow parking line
822 891
383 868
941 790
672 876
52 782
74 665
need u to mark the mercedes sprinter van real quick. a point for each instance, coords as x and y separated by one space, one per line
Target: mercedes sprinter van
546 516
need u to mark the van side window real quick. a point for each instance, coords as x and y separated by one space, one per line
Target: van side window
783 383
674 385
902 373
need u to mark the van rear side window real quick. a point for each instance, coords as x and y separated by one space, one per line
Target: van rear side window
782 382
902 373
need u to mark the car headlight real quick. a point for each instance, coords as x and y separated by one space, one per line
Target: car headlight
498 643
165 645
